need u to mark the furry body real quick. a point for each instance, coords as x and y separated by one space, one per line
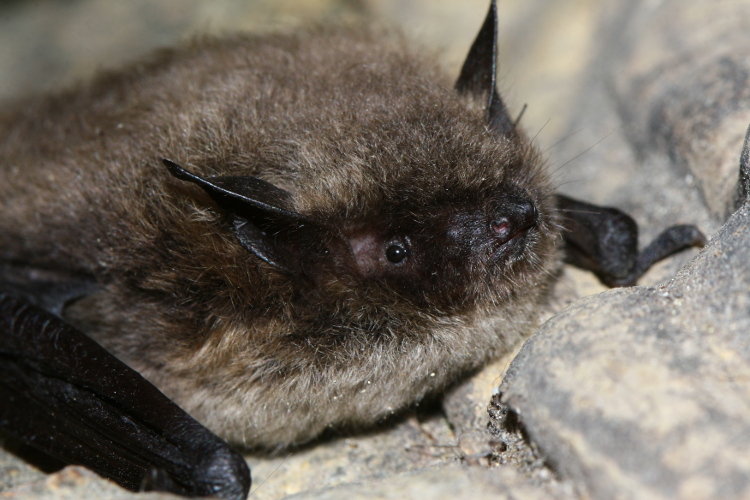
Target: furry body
367 137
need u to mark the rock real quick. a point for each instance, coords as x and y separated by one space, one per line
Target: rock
642 392
443 483
14 471
72 483
414 441
680 79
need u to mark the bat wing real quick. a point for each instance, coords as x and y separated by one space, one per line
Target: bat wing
604 240
49 289
64 394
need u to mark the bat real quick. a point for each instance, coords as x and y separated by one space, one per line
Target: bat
282 233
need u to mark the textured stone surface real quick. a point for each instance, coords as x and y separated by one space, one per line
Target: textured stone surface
443 483
642 392
682 88
14 472
414 441
73 483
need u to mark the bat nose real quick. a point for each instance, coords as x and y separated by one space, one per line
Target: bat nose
513 219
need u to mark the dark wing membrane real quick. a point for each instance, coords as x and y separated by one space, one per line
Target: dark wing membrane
604 240
67 396
47 288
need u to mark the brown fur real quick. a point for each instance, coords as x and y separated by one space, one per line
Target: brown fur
365 135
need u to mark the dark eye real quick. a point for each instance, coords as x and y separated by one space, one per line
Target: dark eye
395 253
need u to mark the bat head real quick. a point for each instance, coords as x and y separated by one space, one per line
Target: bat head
430 229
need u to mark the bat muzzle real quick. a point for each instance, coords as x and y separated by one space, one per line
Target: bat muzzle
511 224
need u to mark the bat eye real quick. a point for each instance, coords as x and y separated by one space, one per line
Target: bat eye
396 253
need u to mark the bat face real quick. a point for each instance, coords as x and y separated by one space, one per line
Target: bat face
337 233
411 239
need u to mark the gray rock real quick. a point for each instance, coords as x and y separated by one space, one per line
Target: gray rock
642 392
680 79
73 483
442 483
14 472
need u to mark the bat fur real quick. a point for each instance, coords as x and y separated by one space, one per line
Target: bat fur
369 138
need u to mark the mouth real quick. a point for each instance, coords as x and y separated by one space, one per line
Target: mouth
513 246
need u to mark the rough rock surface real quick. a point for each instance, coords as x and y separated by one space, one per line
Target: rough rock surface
636 393
680 79
642 392
18 480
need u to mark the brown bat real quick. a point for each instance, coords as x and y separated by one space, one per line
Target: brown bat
283 234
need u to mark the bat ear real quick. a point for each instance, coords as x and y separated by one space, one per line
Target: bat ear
262 219
478 75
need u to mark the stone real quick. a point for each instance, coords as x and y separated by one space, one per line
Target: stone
447 482
642 392
73 483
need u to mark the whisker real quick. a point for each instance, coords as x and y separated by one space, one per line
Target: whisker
566 163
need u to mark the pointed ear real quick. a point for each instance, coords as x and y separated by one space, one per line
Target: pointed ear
262 219
478 75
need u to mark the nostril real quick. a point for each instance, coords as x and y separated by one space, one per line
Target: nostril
518 216
501 226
